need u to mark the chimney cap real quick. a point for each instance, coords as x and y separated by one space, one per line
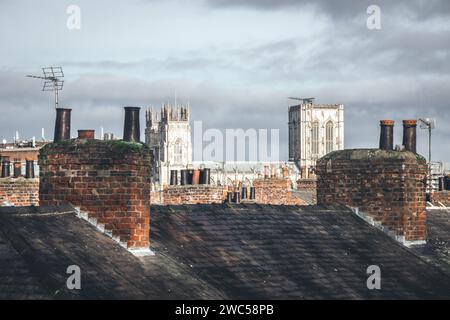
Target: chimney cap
387 122
410 122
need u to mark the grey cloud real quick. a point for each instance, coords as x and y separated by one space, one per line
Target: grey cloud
345 8
97 100
194 62
397 72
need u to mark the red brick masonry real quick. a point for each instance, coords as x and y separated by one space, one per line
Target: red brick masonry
275 191
442 197
192 194
107 179
389 186
19 191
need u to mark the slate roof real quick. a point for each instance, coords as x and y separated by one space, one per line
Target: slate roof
437 250
219 251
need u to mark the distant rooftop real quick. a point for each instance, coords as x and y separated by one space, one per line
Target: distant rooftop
371 154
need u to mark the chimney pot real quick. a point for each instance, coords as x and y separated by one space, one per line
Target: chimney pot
409 135
173 177
62 124
6 169
131 130
17 169
29 169
196 177
86 134
184 177
387 135
205 176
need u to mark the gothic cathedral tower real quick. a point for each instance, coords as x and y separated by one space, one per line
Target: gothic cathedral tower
168 134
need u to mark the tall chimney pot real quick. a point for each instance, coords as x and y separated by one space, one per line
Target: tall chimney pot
29 169
17 169
62 124
409 135
387 135
131 129
6 169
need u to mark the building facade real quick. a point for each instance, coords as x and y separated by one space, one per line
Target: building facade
168 134
314 131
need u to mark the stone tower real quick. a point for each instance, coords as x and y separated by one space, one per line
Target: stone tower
314 131
168 134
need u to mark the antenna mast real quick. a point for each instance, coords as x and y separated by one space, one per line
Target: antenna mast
304 100
53 82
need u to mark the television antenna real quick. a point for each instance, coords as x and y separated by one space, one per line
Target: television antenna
53 82
304 100
428 124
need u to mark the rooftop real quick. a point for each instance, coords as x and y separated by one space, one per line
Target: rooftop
371 154
220 251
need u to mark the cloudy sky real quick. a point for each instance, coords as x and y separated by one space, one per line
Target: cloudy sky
235 61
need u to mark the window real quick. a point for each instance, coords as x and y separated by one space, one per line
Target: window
178 152
315 138
329 136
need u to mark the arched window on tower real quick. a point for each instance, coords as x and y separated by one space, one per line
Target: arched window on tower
329 136
315 138
178 152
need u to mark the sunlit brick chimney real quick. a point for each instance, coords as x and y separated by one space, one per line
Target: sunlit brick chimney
385 187
107 180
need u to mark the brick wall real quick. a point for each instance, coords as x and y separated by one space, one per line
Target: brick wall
192 194
107 179
275 191
389 186
307 188
442 197
156 197
307 185
19 191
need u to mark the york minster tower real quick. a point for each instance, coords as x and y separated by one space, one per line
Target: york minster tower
314 130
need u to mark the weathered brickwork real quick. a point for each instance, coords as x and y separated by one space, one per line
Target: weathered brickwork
307 185
443 197
156 197
390 186
19 192
107 179
193 194
275 191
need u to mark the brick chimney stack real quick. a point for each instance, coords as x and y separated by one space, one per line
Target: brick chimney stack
108 180
385 187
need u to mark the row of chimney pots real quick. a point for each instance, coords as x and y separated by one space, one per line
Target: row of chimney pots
387 135
247 193
190 176
131 128
17 169
131 133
